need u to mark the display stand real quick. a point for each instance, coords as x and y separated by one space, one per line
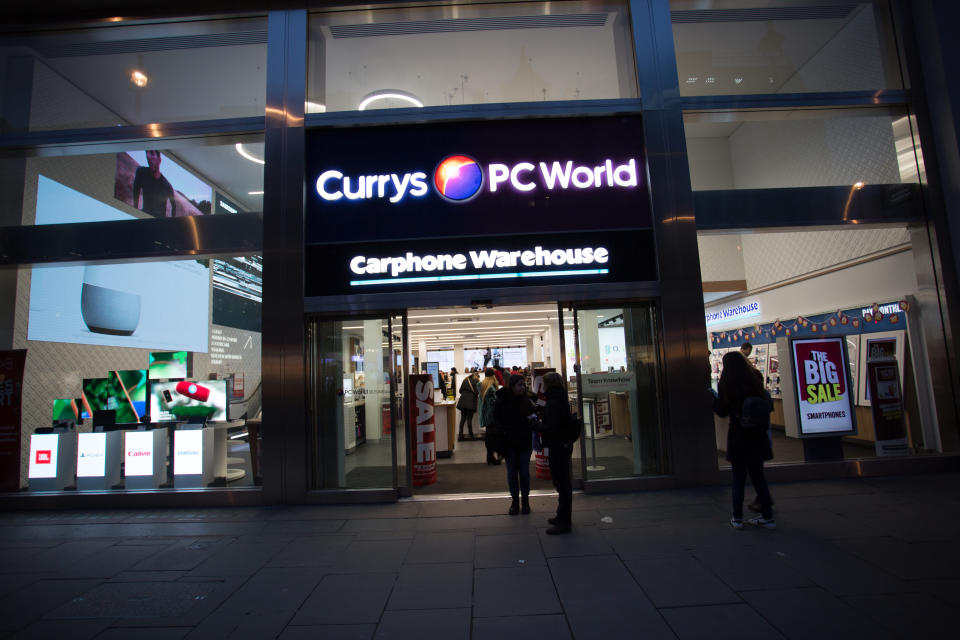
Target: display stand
193 453
590 429
53 461
98 460
145 458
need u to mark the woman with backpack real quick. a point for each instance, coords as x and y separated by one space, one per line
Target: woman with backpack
559 437
741 396
468 402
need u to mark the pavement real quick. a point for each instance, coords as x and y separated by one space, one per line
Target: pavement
855 558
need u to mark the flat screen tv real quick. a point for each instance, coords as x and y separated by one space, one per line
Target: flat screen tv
168 365
185 401
112 394
66 410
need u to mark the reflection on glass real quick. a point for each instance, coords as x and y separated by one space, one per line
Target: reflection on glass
470 54
618 380
351 381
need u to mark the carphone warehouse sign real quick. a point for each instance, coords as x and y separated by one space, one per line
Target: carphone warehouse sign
478 178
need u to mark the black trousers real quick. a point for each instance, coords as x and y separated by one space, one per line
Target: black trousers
755 470
560 472
466 418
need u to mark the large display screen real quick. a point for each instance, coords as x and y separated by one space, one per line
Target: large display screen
238 292
65 410
147 305
165 365
186 401
155 184
122 391
824 396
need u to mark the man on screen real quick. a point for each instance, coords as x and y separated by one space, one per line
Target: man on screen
155 189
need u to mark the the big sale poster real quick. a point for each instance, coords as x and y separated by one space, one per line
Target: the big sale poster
824 398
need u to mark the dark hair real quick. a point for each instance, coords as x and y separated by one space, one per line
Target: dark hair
554 380
738 381
746 345
514 379
489 373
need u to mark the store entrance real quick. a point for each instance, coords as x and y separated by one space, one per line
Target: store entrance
470 352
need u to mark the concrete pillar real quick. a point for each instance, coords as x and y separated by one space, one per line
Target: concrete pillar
589 341
531 356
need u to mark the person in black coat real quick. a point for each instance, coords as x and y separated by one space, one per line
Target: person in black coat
747 448
514 416
468 402
556 419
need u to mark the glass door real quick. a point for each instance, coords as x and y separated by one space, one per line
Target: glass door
352 405
614 356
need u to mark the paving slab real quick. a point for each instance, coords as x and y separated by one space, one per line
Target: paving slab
527 590
720 622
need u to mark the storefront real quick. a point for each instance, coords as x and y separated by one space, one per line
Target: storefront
220 306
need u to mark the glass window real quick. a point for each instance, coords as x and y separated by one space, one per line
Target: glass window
619 380
155 360
141 180
772 46
469 54
767 287
134 75
800 148
352 368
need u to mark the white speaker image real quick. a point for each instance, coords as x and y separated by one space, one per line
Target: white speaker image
107 303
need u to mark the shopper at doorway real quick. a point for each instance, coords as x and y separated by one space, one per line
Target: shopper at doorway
514 414
556 421
468 402
488 398
747 446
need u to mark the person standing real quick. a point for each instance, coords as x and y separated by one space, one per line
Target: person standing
747 446
154 188
468 402
556 421
514 415
488 398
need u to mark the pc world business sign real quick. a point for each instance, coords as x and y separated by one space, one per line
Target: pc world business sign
414 206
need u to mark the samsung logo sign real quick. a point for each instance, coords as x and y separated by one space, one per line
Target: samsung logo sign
460 178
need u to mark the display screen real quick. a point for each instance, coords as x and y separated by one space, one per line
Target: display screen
185 401
238 292
824 400
146 305
433 368
153 183
166 365
121 391
65 409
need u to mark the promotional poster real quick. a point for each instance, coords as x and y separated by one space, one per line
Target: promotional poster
824 398
11 395
423 426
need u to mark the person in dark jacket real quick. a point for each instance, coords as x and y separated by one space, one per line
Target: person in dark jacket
514 415
556 418
468 402
747 448
488 399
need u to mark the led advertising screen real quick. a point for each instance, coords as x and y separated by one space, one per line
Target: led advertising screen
140 304
185 401
238 292
167 365
155 184
824 397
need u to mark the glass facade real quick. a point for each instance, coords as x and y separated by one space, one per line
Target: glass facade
154 171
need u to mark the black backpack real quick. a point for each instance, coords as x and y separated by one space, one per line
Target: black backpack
755 412
572 430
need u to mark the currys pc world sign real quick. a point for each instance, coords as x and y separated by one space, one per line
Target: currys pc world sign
460 178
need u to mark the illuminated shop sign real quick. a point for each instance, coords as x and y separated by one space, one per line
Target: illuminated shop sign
482 264
735 312
478 262
527 176
459 178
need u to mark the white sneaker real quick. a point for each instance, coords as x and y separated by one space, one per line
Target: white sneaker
763 522
736 523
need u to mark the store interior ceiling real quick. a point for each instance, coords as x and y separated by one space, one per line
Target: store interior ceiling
220 65
481 327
